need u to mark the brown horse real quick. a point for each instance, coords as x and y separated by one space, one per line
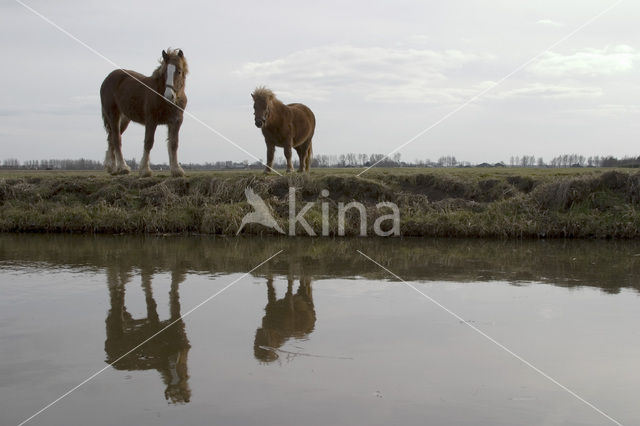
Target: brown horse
159 99
288 126
167 344
293 316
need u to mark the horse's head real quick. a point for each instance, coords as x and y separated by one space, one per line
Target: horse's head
262 98
175 69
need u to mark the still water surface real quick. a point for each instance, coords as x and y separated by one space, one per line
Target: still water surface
319 335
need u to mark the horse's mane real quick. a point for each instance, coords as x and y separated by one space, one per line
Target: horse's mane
263 93
173 53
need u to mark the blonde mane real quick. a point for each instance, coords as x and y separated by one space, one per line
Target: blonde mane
263 93
173 54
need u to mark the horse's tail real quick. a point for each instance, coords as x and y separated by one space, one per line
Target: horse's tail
105 122
105 97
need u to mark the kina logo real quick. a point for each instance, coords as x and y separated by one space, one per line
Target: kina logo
261 214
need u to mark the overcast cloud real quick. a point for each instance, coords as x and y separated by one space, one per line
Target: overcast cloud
375 73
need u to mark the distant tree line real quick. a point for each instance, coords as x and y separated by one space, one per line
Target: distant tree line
67 164
342 160
575 160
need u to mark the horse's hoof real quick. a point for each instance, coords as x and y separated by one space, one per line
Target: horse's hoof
177 172
123 172
266 171
145 173
289 170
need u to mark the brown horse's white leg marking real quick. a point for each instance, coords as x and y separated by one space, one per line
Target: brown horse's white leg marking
121 166
115 148
124 123
145 169
110 160
110 155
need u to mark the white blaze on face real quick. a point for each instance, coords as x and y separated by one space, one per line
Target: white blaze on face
169 92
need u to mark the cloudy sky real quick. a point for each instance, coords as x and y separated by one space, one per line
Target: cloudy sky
375 73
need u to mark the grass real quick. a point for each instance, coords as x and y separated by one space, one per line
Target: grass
466 202
378 171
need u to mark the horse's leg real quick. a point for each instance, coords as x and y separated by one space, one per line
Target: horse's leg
115 317
304 289
174 129
303 150
271 149
288 297
124 123
174 294
152 307
271 292
287 155
118 166
149 132
121 166
307 158
109 158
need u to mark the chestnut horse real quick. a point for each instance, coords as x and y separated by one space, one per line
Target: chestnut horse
288 126
292 317
159 99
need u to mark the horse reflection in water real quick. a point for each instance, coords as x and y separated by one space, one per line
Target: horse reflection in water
167 352
292 316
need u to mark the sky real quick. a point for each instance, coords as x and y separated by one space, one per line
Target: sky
375 73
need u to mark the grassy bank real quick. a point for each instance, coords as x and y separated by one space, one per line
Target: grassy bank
502 203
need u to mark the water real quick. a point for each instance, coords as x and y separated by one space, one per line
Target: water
319 335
